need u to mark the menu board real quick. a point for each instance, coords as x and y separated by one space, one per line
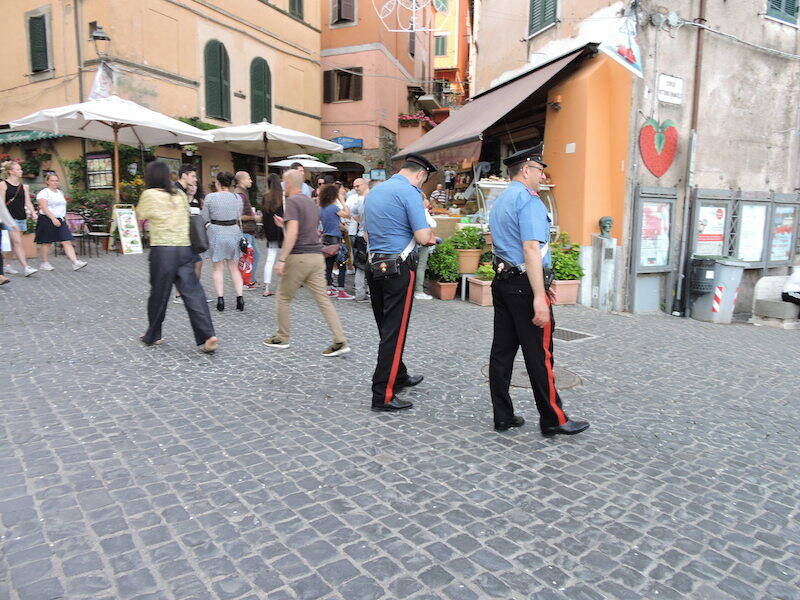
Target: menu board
784 220
750 246
654 240
128 231
710 239
99 171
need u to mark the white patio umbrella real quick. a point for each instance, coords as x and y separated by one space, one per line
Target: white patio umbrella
113 119
309 163
265 139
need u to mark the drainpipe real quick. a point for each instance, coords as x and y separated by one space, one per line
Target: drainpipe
79 58
679 303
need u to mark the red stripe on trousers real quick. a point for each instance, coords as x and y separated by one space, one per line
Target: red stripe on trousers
401 339
548 363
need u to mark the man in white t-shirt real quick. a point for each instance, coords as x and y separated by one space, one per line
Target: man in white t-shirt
358 236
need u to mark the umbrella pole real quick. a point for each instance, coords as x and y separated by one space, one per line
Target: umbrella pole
116 163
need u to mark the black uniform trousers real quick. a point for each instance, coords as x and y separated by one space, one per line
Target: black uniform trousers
174 265
513 327
392 298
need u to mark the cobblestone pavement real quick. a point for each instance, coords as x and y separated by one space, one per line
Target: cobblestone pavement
159 473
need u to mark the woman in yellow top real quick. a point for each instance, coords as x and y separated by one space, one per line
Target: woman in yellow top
171 258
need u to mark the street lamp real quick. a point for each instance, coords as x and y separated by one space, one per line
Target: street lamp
101 41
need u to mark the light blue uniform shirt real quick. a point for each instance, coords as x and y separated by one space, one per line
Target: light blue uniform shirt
518 215
393 211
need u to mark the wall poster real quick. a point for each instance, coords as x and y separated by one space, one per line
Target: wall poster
784 219
710 239
654 240
750 244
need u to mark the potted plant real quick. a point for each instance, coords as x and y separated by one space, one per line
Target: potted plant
469 244
30 168
567 269
443 271
480 286
487 258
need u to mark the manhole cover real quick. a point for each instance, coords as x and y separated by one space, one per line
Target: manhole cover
565 379
569 335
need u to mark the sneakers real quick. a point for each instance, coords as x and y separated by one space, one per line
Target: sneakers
336 349
79 265
276 342
331 292
29 270
11 271
342 295
46 266
422 296
178 300
362 298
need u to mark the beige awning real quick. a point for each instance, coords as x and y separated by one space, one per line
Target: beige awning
466 125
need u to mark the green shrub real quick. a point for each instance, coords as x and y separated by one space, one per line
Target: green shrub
485 272
93 205
443 263
487 257
566 258
468 238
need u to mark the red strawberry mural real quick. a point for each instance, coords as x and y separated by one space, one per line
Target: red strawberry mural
658 144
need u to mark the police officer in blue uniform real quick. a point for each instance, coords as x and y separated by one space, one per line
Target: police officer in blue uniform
395 222
523 314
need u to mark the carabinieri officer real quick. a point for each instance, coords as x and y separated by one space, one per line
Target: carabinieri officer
395 222
523 315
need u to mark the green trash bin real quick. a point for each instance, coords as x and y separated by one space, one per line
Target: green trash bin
716 305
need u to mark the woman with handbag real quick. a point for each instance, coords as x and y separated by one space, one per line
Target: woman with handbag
171 258
17 199
52 225
222 210
330 216
273 207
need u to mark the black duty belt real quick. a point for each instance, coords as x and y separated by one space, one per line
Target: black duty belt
504 272
225 223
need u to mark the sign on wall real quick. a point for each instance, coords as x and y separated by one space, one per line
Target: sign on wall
750 239
670 89
658 144
348 142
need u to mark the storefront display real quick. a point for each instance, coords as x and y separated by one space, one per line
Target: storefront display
654 241
784 220
750 244
710 240
99 171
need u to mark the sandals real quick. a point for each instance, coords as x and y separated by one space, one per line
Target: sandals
267 294
156 343
4 280
210 346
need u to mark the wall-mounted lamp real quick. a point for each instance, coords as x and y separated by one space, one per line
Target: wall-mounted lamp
101 41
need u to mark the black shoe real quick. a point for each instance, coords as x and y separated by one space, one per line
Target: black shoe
239 302
409 381
220 303
569 428
515 421
395 404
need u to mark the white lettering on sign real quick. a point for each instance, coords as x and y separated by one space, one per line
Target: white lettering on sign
670 89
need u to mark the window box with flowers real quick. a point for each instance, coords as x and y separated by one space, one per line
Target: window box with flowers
416 119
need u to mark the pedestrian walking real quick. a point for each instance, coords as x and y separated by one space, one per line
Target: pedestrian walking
17 199
223 209
330 216
171 258
242 184
355 205
273 207
7 222
187 183
523 312
395 222
52 226
300 263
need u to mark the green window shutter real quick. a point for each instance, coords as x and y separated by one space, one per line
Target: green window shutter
225 76
260 95
328 85
296 8
550 9
542 14
441 45
357 90
213 80
37 33
785 10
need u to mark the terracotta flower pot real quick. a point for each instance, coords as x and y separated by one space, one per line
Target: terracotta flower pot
480 291
566 291
29 244
442 290
487 237
468 260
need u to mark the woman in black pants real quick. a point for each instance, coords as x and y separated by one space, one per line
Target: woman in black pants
329 218
171 258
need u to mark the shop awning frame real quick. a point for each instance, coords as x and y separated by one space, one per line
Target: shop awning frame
468 124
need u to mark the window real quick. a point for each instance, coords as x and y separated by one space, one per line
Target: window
37 39
412 42
340 85
441 45
343 11
218 82
785 10
543 13
296 8
260 91
440 5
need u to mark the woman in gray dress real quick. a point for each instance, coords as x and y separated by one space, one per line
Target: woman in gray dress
222 209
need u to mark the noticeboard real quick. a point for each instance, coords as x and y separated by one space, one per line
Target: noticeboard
750 237
784 221
654 241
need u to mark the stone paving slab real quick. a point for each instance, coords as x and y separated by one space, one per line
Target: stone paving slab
159 473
